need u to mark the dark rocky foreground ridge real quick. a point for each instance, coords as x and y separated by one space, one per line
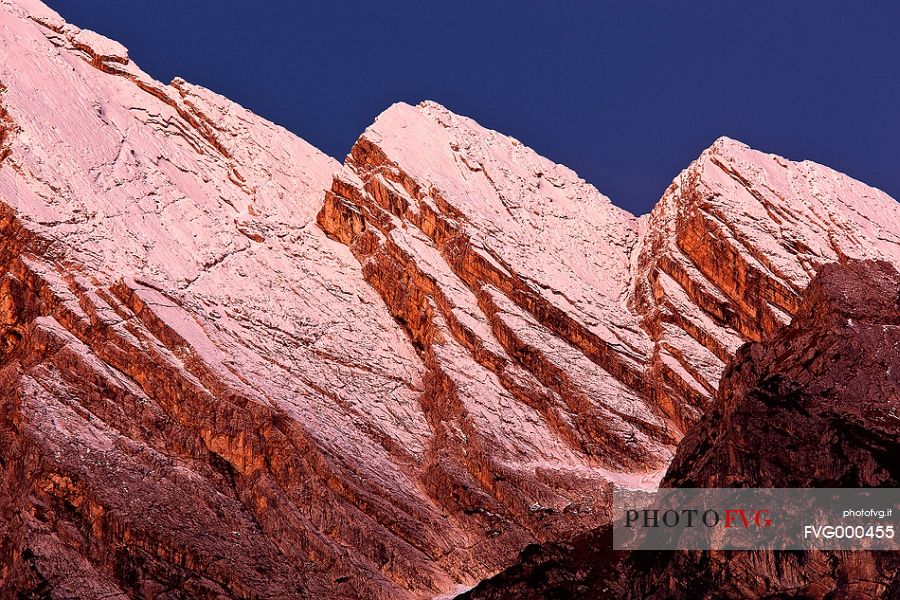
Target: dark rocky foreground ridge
817 405
231 367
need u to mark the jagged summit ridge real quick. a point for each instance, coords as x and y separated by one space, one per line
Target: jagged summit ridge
378 379
720 261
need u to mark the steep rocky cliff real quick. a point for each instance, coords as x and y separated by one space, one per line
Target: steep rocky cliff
232 367
817 405
728 250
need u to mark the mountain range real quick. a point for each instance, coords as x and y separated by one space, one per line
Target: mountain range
232 367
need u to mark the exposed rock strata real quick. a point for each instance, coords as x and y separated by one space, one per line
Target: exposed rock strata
730 247
815 406
658 303
232 367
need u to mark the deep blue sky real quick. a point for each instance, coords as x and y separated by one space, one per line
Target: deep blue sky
625 93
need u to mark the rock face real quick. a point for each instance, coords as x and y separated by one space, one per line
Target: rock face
815 406
232 367
728 250
829 381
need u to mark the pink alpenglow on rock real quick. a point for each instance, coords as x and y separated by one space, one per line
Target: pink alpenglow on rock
233 367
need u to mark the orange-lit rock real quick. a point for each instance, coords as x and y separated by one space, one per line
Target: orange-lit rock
815 405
